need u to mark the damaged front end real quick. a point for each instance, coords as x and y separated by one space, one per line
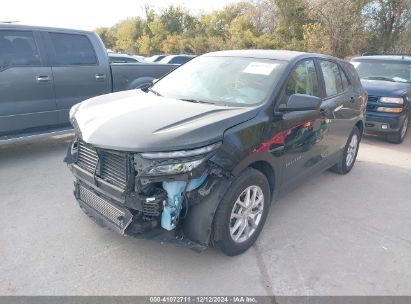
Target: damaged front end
168 196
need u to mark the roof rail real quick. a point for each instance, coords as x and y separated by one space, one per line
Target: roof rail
385 54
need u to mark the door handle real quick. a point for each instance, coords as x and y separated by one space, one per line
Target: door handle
42 79
100 76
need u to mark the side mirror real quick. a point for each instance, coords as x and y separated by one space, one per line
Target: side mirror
301 102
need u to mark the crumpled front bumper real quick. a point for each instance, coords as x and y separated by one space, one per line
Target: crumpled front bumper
122 210
102 209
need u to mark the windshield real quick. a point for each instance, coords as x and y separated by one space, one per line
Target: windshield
384 70
234 81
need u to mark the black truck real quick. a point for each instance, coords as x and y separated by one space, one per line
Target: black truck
45 71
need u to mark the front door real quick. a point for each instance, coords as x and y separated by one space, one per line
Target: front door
27 99
301 142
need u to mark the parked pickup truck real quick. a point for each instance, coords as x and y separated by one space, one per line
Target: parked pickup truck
45 71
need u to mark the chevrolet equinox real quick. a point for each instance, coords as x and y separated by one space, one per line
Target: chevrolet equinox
198 157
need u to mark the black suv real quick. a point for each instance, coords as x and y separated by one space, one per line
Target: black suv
200 156
387 79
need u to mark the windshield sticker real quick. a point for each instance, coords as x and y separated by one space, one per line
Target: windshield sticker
355 64
260 68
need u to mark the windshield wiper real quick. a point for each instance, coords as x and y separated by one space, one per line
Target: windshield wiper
195 100
379 78
153 91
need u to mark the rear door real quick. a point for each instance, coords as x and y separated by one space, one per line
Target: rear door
26 83
339 105
79 71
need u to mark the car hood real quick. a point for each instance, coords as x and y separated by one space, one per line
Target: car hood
141 122
384 88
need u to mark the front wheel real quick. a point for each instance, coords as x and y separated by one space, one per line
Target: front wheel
398 137
242 212
349 153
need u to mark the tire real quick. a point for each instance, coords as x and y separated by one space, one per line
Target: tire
398 137
223 238
346 163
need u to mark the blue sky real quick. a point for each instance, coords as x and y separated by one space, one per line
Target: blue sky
89 14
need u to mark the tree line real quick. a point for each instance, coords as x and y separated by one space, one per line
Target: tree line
341 28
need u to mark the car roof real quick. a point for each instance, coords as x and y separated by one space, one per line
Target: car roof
384 57
179 55
14 26
271 54
120 55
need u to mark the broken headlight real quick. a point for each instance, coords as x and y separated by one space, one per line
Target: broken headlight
177 162
175 168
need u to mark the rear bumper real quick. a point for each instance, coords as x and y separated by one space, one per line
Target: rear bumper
384 122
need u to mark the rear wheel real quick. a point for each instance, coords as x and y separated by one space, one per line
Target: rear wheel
349 154
398 137
241 214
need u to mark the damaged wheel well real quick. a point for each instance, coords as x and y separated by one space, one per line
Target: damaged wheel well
268 171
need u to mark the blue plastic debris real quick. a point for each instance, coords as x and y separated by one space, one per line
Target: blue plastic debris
173 204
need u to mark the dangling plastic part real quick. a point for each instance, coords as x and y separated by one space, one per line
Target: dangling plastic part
173 204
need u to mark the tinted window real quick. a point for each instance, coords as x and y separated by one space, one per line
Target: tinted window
72 49
18 48
332 78
180 60
303 80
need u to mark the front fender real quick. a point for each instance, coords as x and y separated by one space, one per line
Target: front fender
198 223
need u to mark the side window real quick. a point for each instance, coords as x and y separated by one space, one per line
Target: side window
303 80
344 79
18 48
332 78
72 49
176 60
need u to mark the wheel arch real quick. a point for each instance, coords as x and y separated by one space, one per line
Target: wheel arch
268 171
360 126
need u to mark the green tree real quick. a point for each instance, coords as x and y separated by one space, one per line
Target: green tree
126 33
292 16
106 36
338 28
387 21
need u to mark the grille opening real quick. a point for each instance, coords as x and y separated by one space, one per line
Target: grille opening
112 166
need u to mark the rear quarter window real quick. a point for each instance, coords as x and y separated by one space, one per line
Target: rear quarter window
352 74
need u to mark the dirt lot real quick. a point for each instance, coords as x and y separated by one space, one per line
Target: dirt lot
334 235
